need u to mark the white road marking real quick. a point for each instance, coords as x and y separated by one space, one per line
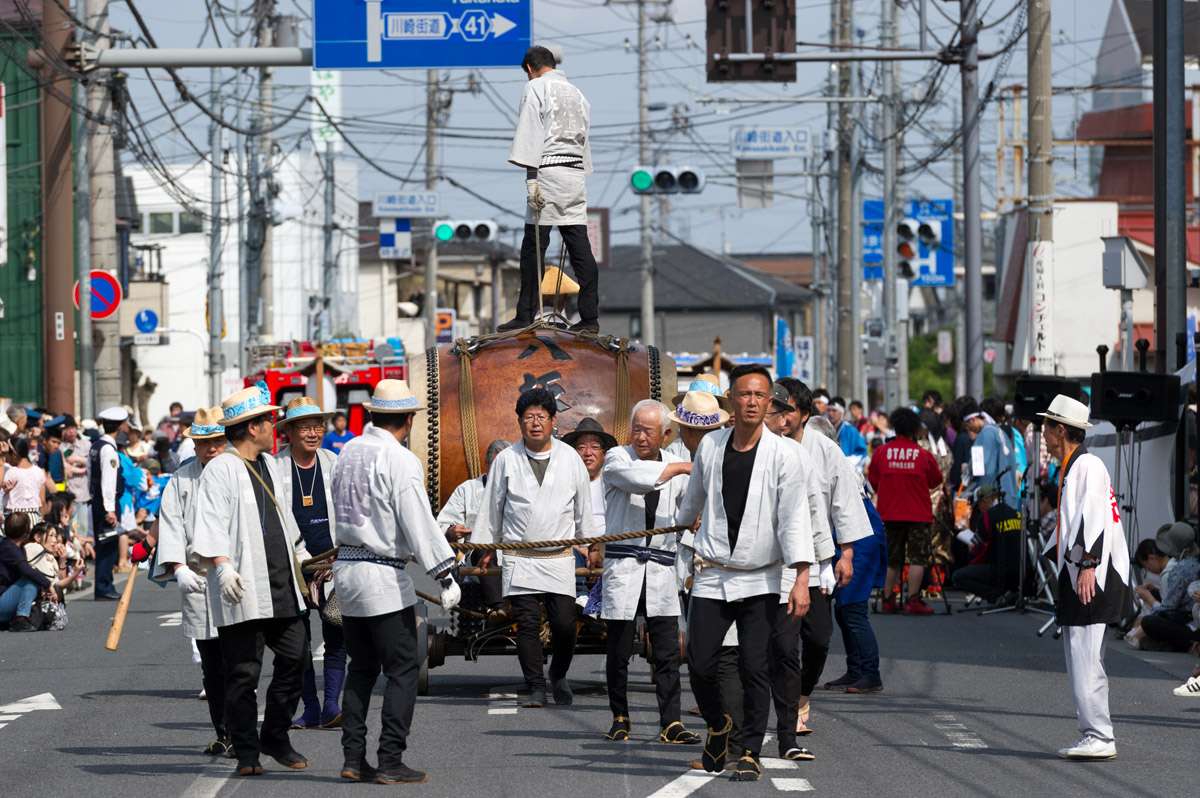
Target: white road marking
32 704
9 717
501 703
684 785
778 764
792 785
171 619
957 733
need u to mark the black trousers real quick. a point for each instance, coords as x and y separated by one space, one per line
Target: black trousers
242 649
816 628
579 249
212 666
493 586
560 611
978 579
664 649
708 621
107 551
386 643
730 686
1170 630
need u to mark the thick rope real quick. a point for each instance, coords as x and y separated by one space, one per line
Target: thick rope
466 410
621 419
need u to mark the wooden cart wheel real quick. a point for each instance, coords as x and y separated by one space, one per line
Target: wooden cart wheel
422 650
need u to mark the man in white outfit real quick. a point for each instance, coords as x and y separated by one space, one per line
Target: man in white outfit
552 145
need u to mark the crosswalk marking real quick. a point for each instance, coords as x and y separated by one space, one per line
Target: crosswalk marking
957 733
683 785
792 785
502 703
171 619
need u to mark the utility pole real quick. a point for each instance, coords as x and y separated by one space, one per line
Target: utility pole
329 273
648 326
215 309
83 193
972 227
960 321
847 333
814 213
432 109
858 388
891 215
265 12
1039 266
243 224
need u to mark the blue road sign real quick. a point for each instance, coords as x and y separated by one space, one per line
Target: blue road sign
934 267
146 320
420 34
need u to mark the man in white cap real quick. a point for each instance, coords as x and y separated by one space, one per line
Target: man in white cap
383 521
643 486
306 490
1092 563
173 533
749 491
106 484
247 542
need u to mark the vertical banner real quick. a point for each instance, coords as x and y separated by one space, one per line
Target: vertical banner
785 358
327 87
805 353
1041 302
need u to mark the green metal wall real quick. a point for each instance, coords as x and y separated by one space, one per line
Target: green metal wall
21 328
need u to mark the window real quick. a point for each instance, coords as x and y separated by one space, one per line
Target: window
161 223
191 223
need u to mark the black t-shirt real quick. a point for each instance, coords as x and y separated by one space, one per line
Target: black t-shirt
278 548
651 507
313 520
735 474
1003 525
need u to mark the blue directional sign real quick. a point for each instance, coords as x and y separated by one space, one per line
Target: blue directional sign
146 320
420 34
934 261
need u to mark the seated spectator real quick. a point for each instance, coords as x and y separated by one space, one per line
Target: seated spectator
20 582
994 571
1165 622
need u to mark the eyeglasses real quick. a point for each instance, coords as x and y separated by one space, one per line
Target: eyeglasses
589 447
535 418
302 428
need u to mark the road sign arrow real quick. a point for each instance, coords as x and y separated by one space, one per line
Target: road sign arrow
42 701
501 26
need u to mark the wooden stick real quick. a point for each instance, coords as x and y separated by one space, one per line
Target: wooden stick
118 622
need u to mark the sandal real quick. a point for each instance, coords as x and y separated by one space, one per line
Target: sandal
747 769
802 720
716 747
619 731
676 734
797 752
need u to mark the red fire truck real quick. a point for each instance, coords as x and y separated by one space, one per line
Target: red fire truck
350 369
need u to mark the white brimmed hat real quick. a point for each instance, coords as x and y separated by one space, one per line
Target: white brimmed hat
1066 410
246 404
699 410
393 396
708 383
206 424
114 413
301 408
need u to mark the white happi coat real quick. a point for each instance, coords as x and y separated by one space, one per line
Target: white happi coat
379 493
517 509
823 545
627 480
552 127
176 520
228 524
841 492
776 526
680 450
287 473
463 505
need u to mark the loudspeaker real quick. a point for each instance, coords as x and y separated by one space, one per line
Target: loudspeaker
1131 397
1034 394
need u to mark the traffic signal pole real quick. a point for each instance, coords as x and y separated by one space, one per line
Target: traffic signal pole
847 325
647 270
972 226
891 215
83 193
431 178
215 300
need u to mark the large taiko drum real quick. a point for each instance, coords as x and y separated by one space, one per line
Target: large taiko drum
600 378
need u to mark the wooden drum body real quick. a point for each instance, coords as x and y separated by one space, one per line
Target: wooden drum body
591 377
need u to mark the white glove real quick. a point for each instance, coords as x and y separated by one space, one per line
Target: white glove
232 585
826 578
188 581
451 593
533 195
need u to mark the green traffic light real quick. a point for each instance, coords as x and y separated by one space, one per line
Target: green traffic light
444 232
641 180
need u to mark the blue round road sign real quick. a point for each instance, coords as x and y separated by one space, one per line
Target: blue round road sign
146 321
106 294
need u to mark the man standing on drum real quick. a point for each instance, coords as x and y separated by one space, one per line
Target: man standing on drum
538 490
551 143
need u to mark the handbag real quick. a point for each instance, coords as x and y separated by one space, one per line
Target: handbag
331 610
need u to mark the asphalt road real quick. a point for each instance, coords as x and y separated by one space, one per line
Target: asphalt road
972 707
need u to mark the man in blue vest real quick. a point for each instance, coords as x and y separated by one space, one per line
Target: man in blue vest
106 485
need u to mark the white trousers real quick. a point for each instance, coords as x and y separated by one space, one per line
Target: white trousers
1084 647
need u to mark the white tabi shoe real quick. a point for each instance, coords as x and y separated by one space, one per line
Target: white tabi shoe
1090 748
1189 689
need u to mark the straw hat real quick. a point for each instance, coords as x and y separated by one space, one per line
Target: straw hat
206 424
590 426
246 404
1066 410
699 410
551 286
301 408
708 383
393 396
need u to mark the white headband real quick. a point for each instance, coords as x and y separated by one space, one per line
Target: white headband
837 407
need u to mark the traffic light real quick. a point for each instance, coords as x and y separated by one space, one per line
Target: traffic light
450 231
666 180
930 233
907 251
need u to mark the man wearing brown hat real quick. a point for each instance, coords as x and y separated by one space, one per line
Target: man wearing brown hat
592 443
383 521
245 538
306 480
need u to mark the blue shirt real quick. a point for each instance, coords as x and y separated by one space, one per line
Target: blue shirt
334 442
998 457
852 441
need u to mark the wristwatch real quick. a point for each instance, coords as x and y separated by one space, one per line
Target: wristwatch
1088 564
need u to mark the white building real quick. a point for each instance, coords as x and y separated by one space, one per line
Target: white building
179 365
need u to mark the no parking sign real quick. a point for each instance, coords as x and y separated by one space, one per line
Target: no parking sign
106 295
